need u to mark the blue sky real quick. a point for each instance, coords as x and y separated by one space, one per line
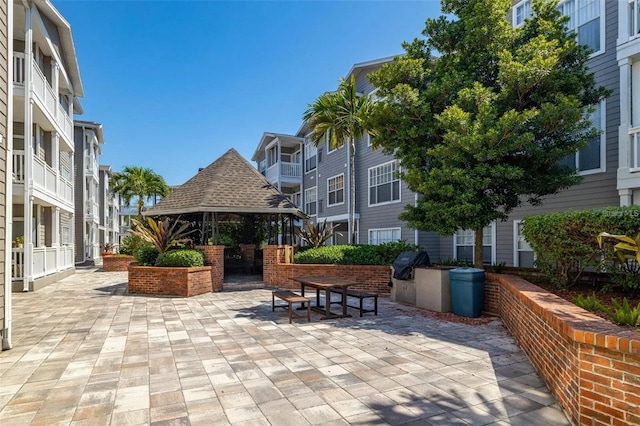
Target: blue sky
178 83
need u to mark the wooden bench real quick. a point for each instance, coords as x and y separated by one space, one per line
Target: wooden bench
360 295
291 298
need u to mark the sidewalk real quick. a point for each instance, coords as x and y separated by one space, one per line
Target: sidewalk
87 353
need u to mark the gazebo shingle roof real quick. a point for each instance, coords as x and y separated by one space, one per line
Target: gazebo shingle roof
230 185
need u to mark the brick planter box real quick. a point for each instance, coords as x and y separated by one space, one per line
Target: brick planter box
115 263
183 282
276 273
591 366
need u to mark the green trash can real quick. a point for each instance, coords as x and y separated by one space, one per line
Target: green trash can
467 291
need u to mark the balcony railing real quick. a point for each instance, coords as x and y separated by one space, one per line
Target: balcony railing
43 91
91 165
287 170
46 261
91 209
634 145
44 179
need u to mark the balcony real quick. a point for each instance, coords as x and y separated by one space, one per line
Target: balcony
91 210
45 179
91 166
47 99
285 172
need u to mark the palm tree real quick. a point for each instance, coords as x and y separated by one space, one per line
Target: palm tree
339 117
138 182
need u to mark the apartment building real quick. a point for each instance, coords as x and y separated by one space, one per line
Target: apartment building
109 211
6 105
316 179
46 87
89 137
610 164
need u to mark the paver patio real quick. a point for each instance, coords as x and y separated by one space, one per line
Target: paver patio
87 353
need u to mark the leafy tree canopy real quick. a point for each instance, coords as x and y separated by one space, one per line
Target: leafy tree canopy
484 127
138 182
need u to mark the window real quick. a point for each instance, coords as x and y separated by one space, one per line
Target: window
591 159
634 18
335 190
369 139
464 245
385 235
310 204
584 19
65 237
327 137
310 155
521 12
523 255
384 184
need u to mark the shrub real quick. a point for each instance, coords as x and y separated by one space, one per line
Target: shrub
181 258
163 234
589 303
383 254
146 255
129 245
624 314
565 242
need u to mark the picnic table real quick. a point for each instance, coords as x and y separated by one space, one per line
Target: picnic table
327 284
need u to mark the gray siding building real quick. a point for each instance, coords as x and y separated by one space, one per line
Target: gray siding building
5 190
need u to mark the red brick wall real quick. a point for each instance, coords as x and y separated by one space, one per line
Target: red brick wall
215 257
116 263
163 281
275 273
590 365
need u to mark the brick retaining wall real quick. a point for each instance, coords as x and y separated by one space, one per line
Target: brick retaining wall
169 281
591 366
276 273
116 263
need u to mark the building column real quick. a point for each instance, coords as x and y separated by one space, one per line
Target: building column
28 150
55 235
626 197
279 162
55 158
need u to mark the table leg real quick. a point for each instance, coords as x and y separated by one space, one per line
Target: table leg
327 302
344 301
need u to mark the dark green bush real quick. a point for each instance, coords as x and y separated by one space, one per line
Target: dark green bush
181 258
383 254
146 255
565 242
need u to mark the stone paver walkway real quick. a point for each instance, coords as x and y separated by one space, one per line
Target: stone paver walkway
87 353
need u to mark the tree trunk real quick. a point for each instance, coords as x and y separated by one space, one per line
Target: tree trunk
477 256
352 193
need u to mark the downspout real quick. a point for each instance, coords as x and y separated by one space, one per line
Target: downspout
349 215
416 238
8 179
28 149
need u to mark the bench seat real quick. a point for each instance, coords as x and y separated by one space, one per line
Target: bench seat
291 298
360 295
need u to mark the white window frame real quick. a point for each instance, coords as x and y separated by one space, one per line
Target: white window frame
335 190
308 148
328 142
369 239
308 191
602 17
514 12
603 146
394 178
516 238
493 244
367 136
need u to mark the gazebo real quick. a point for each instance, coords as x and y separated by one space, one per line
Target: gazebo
231 189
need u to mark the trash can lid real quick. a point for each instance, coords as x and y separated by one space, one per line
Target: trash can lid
467 270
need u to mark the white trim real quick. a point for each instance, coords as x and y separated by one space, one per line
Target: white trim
516 250
315 189
338 217
394 179
367 137
369 231
328 142
493 245
304 156
344 194
603 145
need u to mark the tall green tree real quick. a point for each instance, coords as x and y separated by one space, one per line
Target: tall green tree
339 117
484 128
138 183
